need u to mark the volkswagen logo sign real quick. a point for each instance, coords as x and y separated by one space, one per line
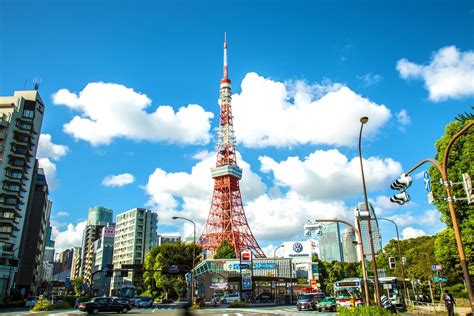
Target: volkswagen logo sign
297 247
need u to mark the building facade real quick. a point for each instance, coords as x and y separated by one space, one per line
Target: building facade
349 245
21 117
65 258
163 239
135 235
34 234
99 215
76 263
363 216
330 248
103 249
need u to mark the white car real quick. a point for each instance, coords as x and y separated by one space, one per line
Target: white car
229 298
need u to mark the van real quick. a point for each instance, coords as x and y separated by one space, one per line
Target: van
229 298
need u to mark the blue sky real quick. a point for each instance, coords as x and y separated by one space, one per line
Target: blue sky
303 72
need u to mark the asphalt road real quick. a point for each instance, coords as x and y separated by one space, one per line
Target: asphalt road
171 311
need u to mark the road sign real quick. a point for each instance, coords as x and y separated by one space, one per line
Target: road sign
427 180
440 279
437 267
67 283
430 197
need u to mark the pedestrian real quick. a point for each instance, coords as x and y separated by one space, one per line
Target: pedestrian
449 302
77 302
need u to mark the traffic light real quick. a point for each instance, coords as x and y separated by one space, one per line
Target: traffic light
391 262
401 184
400 198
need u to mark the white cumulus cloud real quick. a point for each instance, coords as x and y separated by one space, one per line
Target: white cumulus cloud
370 79
68 238
411 232
329 175
109 110
272 113
118 180
428 218
46 154
450 73
403 117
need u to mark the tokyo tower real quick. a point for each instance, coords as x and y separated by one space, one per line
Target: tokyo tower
227 219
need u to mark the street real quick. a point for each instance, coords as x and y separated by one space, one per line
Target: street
273 310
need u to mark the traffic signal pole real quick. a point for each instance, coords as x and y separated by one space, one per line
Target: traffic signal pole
399 254
447 184
361 250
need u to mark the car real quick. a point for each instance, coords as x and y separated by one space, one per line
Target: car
145 301
326 304
136 300
264 298
31 301
305 301
104 304
229 298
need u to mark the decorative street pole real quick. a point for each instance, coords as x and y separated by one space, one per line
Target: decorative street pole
278 270
399 254
361 250
447 184
364 120
194 253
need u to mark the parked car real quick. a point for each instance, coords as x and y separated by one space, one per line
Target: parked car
31 301
264 298
136 300
326 304
145 301
305 301
229 298
104 304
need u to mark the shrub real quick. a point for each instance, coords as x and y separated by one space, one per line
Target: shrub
235 304
8 304
363 311
62 305
42 305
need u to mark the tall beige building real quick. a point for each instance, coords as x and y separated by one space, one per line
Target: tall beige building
76 262
135 235
21 117
348 245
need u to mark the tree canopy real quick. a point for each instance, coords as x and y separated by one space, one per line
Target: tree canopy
159 259
225 251
460 161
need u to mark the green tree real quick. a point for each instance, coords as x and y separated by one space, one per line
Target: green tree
78 285
225 251
159 259
460 161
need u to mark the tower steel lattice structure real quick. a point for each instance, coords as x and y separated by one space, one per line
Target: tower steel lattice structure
226 220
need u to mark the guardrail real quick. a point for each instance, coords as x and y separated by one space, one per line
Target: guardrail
427 307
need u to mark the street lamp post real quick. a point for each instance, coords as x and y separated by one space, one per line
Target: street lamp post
278 271
361 250
447 184
194 252
7 290
363 121
399 253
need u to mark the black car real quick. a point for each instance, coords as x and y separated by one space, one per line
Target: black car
264 298
104 304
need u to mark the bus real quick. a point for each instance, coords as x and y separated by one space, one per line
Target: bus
346 288
393 288
128 292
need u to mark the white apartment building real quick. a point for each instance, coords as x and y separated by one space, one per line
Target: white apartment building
135 235
21 117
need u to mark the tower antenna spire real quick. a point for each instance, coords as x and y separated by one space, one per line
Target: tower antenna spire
226 69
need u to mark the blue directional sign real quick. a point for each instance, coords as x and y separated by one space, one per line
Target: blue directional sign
427 180
67 283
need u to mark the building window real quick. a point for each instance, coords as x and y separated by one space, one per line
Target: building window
14 174
8 215
28 113
18 162
5 229
11 187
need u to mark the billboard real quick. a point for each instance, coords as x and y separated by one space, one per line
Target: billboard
299 251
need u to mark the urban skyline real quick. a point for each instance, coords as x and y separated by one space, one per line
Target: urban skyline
144 137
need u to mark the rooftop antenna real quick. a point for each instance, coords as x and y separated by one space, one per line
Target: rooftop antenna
36 81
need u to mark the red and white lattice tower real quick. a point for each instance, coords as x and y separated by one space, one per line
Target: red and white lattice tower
227 219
